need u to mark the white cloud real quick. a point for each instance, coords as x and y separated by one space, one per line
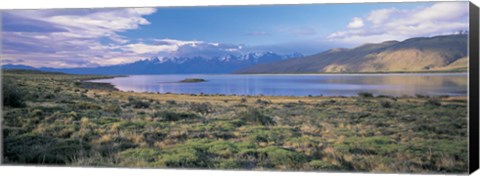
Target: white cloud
118 60
86 38
90 23
356 23
141 48
162 46
72 38
379 16
399 24
443 11
178 42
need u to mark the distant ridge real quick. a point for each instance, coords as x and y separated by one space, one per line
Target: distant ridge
423 54
18 67
446 53
175 65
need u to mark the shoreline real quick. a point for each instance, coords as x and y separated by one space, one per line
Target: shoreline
104 84
294 96
279 96
312 74
220 98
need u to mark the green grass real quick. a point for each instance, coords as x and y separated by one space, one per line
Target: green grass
59 119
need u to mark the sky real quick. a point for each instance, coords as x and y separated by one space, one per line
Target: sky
65 38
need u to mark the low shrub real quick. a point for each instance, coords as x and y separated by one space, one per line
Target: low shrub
171 102
113 108
138 103
384 96
228 164
421 96
385 104
433 102
152 137
281 157
365 94
223 149
243 100
38 149
49 96
189 155
322 165
175 116
254 116
12 95
202 108
263 102
136 155
289 105
115 145
86 105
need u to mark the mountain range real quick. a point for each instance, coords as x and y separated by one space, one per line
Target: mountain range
439 53
422 54
175 65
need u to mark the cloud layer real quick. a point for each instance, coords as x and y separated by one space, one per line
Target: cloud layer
87 38
93 37
399 24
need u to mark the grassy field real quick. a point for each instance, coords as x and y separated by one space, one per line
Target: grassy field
56 119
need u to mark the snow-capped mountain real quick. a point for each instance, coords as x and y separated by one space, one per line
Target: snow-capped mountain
249 57
182 65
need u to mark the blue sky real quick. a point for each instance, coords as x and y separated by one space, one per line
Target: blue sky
255 25
96 37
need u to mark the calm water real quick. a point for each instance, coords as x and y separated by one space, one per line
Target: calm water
453 84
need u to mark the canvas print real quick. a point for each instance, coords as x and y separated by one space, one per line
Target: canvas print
365 87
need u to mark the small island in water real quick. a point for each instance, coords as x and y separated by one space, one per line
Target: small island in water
193 80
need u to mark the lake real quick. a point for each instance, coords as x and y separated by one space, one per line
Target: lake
433 84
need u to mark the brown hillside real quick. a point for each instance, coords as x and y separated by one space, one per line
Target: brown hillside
440 53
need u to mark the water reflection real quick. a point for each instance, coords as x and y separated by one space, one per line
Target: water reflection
299 85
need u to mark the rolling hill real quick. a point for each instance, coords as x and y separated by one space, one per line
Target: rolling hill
423 54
